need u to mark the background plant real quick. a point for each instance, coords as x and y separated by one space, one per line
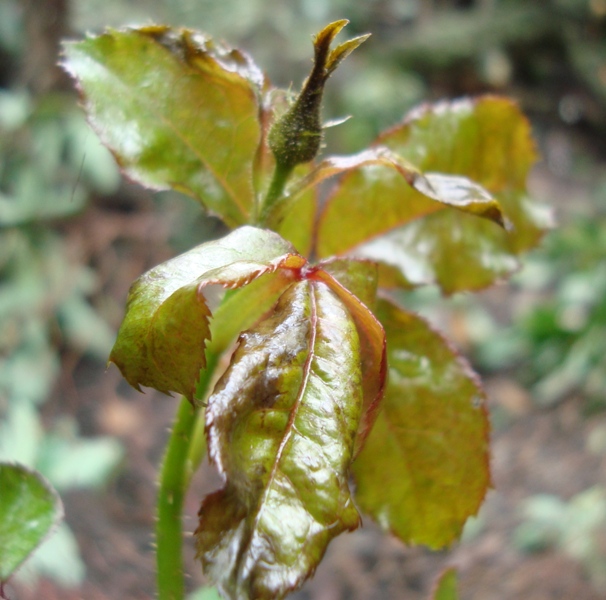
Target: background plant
45 293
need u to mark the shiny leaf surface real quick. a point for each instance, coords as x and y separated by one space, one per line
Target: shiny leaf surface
355 282
29 508
177 110
281 424
458 192
486 140
424 468
162 338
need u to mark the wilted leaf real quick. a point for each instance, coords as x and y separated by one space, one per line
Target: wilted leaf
281 425
446 586
162 338
488 141
424 468
29 508
177 110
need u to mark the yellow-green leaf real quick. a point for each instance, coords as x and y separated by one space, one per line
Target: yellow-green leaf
162 339
281 427
424 468
466 152
177 110
355 282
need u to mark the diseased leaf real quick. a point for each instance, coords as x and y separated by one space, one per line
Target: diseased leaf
177 110
29 508
355 282
446 586
162 338
281 425
486 140
424 468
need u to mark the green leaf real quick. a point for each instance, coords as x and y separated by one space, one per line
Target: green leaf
281 424
354 281
29 508
177 110
240 309
162 338
424 468
446 586
375 214
451 190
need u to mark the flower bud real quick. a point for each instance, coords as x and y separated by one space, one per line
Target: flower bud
296 137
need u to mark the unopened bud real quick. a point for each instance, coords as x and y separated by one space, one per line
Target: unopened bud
296 137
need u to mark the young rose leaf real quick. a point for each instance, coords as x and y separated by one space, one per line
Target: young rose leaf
446 586
241 308
424 468
458 252
162 338
486 140
355 282
281 427
177 110
458 192
29 508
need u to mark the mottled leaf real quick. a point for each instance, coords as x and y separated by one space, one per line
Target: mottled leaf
355 282
424 468
162 338
281 426
373 213
446 586
29 508
177 110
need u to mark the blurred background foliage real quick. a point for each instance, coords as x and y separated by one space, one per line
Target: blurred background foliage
62 287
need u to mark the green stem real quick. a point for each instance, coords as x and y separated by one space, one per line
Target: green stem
274 193
184 453
169 534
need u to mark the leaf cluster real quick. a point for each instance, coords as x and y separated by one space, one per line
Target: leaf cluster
328 378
